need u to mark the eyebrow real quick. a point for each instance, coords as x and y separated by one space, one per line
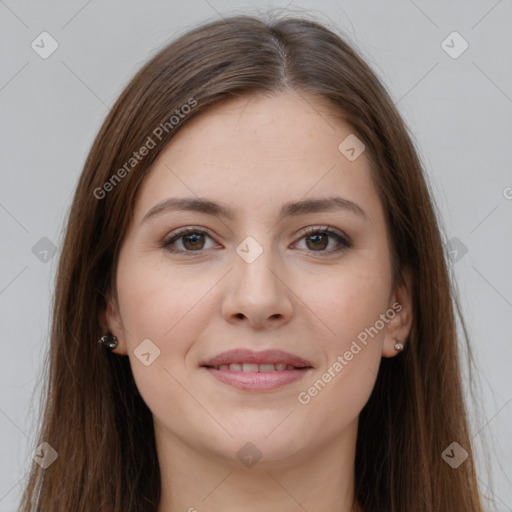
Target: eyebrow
292 208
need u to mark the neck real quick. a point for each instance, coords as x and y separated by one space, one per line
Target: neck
321 480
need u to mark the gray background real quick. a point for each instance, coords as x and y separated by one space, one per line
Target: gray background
459 110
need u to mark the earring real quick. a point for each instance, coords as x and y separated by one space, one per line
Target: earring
108 341
398 346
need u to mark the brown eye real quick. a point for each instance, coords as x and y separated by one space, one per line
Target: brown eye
192 240
317 240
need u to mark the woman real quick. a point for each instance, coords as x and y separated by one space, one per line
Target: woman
253 243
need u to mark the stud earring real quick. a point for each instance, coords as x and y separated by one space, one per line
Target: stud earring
399 346
108 341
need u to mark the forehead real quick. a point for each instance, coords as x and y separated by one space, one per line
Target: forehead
256 153
285 124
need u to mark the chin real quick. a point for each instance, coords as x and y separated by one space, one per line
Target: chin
257 448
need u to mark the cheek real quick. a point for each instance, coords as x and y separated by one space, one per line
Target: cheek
164 307
159 301
348 303
346 310
167 306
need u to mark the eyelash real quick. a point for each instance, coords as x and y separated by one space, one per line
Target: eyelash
344 241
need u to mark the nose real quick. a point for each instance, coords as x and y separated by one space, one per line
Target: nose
257 292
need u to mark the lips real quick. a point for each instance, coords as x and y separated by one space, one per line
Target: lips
249 361
253 367
257 371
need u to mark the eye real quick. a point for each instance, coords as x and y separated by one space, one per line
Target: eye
192 240
317 240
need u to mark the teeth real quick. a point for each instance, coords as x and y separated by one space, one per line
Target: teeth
254 368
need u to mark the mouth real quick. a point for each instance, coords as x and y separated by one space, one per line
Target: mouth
256 368
257 371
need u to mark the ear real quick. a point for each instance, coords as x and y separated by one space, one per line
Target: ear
110 321
399 325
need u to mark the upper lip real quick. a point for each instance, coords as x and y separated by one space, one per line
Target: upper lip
242 355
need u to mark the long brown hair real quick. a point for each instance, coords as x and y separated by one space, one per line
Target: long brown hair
94 416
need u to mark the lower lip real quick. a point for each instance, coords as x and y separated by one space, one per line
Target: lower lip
257 381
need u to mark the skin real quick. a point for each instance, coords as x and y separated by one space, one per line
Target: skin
255 153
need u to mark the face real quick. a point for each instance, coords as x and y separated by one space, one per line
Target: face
312 282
